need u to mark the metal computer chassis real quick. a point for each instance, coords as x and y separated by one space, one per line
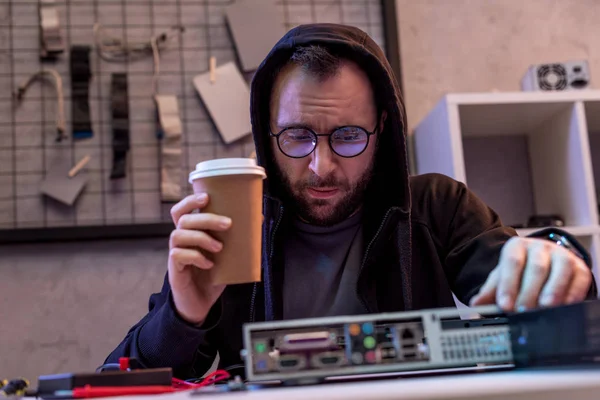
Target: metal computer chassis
314 349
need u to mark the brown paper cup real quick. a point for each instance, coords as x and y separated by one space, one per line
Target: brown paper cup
234 187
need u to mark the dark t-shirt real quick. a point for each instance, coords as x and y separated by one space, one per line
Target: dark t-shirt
321 269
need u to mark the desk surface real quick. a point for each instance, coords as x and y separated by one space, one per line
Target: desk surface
508 385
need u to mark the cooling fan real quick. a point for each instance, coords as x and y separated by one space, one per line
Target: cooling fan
552 77
572 75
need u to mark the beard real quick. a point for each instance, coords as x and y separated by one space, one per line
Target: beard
324 212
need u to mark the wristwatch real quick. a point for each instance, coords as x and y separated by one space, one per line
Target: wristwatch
564 242
564 239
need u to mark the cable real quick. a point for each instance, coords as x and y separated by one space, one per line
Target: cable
115 49
216 376
58 85
228 369
234 367
109 367
156 58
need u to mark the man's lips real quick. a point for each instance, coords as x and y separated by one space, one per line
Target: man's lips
322 193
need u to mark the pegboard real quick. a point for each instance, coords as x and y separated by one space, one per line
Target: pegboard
27 130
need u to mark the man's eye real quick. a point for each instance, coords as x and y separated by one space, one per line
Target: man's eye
348 135
350 138
299 135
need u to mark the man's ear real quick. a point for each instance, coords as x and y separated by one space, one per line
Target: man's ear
382 121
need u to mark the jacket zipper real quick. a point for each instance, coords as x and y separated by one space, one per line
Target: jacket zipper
366 257
252 299
272 250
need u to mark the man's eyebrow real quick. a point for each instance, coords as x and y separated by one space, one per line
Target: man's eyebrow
292 124
280 127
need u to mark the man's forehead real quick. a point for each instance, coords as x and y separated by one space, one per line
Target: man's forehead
294 71
349 82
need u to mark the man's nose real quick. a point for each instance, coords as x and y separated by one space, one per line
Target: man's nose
322 161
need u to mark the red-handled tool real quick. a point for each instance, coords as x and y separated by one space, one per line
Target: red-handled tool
88 392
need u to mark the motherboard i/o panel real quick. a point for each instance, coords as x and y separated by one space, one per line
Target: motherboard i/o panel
313 349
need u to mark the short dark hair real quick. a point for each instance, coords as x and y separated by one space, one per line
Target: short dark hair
324 62
317 61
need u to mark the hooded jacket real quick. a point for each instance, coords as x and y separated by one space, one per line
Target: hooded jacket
427 236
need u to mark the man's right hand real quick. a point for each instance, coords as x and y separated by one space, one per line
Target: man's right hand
193 296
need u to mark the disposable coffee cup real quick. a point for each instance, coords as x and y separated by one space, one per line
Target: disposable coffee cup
235 188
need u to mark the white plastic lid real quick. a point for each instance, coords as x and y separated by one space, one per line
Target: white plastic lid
226 166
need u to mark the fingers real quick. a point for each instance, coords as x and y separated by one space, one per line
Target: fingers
537 270
487 293
511 265
192 238
204 222
188 205
580 284
561 276
532 273
181 258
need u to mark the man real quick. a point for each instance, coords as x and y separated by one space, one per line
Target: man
346 230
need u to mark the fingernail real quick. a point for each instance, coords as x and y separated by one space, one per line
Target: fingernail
547 300
225 222
505 302
521 309
201 196
209 264
217 246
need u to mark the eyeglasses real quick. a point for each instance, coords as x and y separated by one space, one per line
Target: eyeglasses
345 141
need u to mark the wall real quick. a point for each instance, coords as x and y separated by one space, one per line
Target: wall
64 307
475 46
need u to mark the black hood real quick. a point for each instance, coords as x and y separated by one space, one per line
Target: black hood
390 184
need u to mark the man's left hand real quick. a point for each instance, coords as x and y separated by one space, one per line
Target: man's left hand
535 273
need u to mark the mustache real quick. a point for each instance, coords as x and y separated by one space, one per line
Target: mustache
315 181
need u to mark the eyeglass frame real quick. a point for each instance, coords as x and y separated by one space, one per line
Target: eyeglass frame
369 134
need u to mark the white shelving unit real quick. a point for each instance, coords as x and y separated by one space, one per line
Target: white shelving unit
523 153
